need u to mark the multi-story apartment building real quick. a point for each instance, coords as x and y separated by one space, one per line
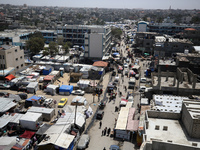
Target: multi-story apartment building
11 56
169 28
95 40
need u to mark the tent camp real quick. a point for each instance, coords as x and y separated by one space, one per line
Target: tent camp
33 101
32 87
30 120
65 89
83 84
51 89
47 113
6 104
79 100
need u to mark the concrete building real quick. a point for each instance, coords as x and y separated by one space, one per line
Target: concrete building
95 40
189 60
165 131
142 26
191 117
171 79
166 46
11 56
169 28
168 103
145 41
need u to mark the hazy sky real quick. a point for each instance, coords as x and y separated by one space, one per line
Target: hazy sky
146 4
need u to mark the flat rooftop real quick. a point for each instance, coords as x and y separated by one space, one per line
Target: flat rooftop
167 62
173 131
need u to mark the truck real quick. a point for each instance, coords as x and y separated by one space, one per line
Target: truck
131 83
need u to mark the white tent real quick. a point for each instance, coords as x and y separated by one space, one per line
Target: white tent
32 87
47 113
30 120
51 89
80 100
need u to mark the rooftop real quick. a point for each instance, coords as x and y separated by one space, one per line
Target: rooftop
168 130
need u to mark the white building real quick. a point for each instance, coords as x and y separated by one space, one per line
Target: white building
94 39
11 56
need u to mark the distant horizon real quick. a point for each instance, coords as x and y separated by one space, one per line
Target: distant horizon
110 4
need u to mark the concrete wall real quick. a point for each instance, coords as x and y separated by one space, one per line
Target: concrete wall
156 145
96 43
186 119
163 115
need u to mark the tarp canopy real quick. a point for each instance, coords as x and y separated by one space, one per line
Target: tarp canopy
100 64
34 98
43 129
10 77
66 88
27 134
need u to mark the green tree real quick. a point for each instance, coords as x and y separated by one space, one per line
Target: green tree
66 46
60 41
116 33
35 44
53 48
46 51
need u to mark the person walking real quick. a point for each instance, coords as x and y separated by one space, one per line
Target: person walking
100 124
105 131
104 148
108 132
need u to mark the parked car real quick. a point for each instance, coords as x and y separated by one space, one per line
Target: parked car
48 101
127 60
137 76
102 105
4 86
142 89
143 80
83 142
78 92
62 102
114 147
125 65
23 95
100 114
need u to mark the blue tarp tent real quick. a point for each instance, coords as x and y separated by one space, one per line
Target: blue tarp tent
33 101
34 98
65 88
46 71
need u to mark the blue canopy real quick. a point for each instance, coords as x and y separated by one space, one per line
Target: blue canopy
66 88
115 53
33 98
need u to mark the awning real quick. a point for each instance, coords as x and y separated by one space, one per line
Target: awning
27 134
10 77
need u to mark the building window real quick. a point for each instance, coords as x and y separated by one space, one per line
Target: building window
16 59
17 67
22 65
16 50
20 57
0 56
3 56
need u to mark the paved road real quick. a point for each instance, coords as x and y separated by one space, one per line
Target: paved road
98 141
